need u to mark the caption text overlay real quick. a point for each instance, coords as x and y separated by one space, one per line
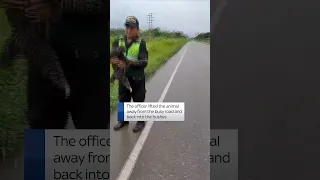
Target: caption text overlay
72 154
224 154
151 111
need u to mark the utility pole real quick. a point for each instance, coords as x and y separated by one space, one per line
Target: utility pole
150 20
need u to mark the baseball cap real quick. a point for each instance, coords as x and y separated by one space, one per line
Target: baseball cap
131 21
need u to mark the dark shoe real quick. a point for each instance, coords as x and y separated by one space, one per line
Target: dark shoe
139 126
120 125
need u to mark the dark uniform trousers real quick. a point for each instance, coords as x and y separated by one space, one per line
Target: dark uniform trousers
138 93
87 73
138 90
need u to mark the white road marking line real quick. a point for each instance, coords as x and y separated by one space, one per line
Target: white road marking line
133 157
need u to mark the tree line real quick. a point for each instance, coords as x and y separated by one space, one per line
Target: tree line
203 36
157 32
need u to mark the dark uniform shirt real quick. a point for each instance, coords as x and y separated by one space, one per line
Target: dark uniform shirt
138 68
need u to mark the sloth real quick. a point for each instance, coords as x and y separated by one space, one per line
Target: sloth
120 73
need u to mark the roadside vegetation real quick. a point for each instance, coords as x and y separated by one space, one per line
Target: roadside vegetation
12 98
203 37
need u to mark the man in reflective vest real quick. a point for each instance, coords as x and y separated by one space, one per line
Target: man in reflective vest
137 54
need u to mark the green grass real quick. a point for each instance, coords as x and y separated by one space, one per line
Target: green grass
12 98
205 41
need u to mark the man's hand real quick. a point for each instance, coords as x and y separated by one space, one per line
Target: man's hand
121 64
118 63
16 4
132 62
115 61
42 10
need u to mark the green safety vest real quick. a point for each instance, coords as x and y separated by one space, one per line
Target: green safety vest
133 52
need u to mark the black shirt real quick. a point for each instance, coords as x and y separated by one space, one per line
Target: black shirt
138 68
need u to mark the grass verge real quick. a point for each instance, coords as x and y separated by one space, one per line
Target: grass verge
13 103
205 41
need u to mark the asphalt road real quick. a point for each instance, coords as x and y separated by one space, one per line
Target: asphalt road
265 82
173 150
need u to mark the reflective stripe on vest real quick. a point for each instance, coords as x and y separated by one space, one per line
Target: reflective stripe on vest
133 51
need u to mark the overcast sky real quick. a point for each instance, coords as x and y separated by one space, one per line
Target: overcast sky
189 16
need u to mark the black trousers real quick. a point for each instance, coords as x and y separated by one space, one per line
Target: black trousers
87 72
138 94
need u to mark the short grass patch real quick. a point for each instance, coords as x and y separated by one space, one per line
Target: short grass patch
13 102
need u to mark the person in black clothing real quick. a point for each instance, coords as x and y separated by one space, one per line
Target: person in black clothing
80 39
135 72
